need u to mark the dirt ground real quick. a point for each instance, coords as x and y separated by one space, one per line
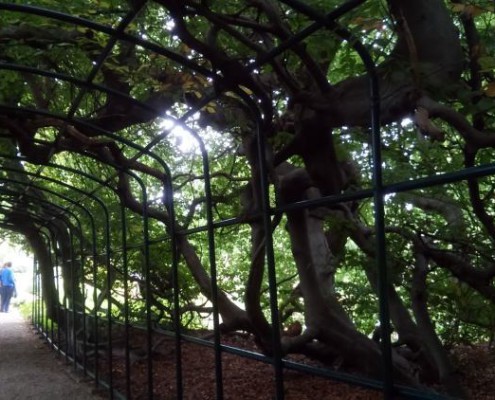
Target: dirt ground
30 370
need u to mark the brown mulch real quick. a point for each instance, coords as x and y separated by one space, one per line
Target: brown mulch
476 366
245 378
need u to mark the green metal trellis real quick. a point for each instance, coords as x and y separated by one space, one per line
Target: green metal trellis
73 208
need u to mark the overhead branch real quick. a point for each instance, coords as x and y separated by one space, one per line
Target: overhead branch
436 68
476 139
447 208
478 279
479 206
232 72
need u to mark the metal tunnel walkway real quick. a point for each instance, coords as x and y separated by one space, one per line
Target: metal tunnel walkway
184 170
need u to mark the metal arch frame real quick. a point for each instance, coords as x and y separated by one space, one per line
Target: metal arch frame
49 206
62 210
168 200
278 363
377 193
95 373
107 243
109 31
92 225
145 241
168 190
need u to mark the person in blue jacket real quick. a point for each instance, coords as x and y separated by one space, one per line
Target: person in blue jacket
8 286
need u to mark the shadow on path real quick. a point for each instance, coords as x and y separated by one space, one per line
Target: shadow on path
29 369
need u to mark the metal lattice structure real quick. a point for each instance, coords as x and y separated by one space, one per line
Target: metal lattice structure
92 223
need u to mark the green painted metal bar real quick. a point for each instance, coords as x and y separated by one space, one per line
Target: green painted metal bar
78 21
149 325
75 203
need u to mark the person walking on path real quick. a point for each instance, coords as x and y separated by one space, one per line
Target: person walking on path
8 286
1 286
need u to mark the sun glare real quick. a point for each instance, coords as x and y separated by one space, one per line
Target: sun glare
179 136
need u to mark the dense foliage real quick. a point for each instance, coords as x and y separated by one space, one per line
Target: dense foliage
198 115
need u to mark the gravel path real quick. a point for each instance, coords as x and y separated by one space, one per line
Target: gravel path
29 369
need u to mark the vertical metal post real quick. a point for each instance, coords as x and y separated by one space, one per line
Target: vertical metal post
33 292
213 267
270 262
147 271
125 267
109 301
270 256
381 255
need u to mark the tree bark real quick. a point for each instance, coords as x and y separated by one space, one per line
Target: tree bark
419 296
326 320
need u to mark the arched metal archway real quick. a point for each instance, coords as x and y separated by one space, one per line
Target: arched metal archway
88 214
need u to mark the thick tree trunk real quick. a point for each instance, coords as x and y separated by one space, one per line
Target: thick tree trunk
40 248
448 376
324 315
326 320
233 317
71 271
259 323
